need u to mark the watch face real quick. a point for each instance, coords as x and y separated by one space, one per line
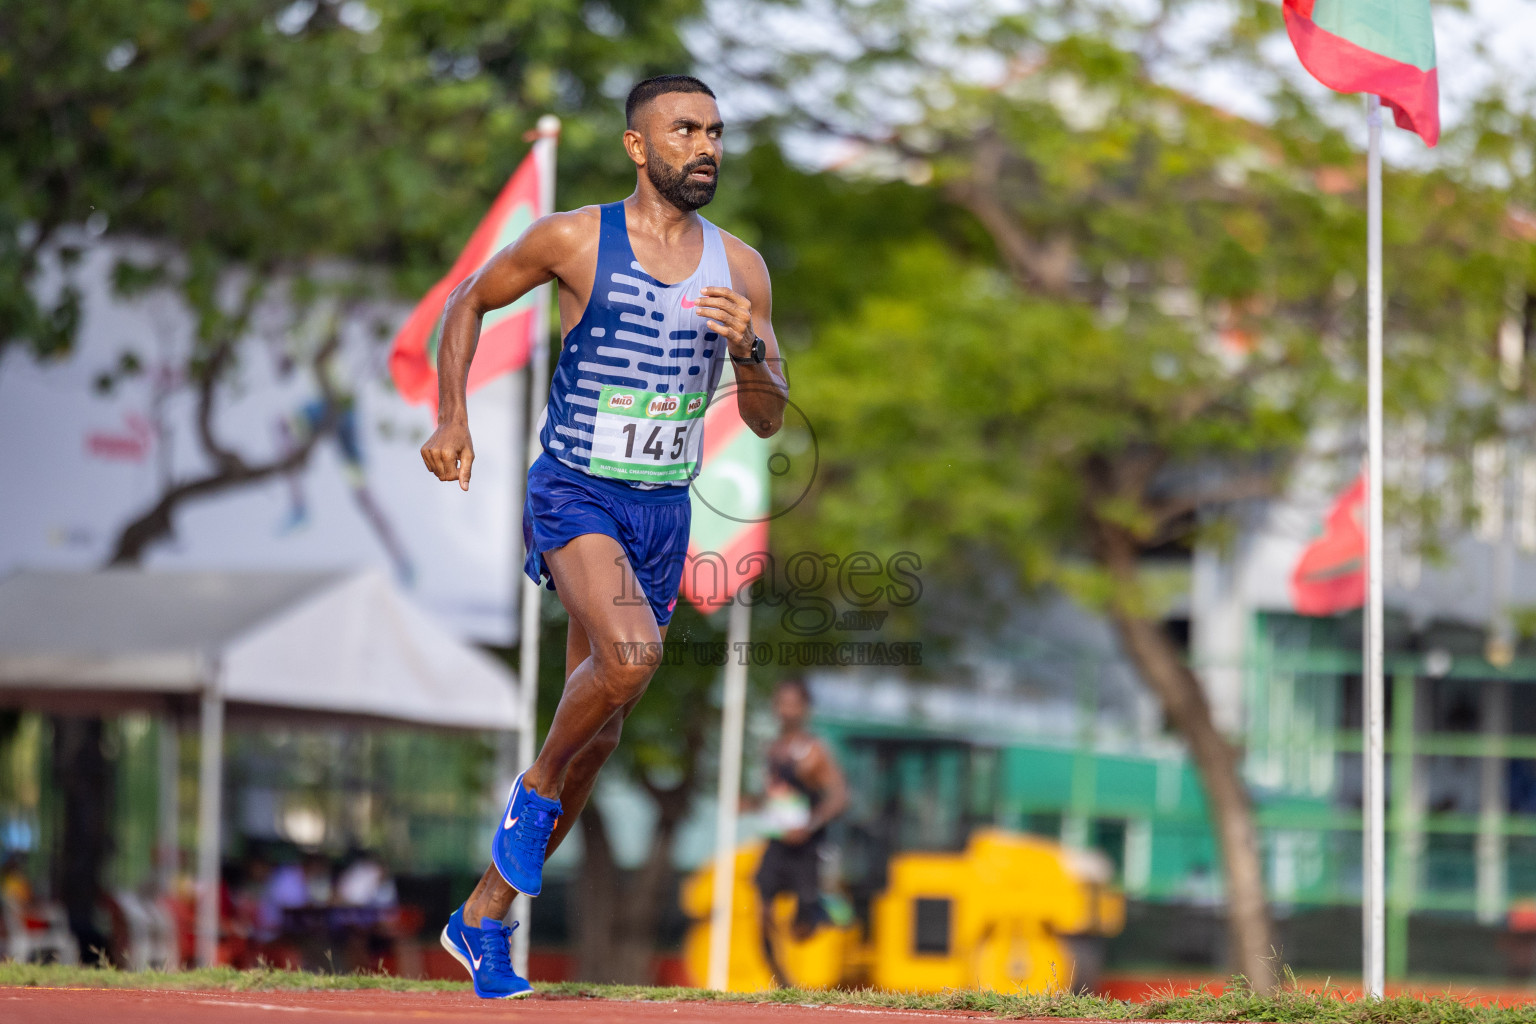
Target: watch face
759 349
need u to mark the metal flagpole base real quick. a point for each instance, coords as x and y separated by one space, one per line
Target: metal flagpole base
732 727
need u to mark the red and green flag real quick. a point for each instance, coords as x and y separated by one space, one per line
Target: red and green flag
505 334
728 545
1385 47
1329 577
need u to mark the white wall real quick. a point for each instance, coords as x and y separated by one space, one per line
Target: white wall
78 465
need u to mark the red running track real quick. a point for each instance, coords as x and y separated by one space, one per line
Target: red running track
142 1006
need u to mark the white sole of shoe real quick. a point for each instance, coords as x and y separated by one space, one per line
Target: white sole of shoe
453 951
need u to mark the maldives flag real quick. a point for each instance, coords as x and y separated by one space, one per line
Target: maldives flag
505 334
728 544
1330 575
1385 47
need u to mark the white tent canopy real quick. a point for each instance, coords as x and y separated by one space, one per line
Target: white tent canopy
326 643
302 645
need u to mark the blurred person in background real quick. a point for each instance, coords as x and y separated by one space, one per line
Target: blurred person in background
804 791
319 879
293 885
15 886
292 918
240 908
365 882
267 883
607 515
366 901
234 923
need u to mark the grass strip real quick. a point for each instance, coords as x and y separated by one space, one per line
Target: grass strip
211 979
1237 1003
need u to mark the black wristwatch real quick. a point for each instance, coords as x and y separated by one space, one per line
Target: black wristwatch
759 352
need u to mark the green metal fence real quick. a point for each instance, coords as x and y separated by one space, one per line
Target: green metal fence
1139 801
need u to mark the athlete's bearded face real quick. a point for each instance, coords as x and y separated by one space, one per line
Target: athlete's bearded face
677 139
687 187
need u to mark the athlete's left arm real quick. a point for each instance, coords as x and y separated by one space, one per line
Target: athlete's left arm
761 390
827 774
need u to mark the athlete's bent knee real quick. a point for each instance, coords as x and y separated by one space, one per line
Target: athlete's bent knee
623 682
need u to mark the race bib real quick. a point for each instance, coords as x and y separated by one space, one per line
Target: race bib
647 437
784 811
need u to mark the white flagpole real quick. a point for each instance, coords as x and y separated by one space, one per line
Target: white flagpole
528 633
1375 838
210 817
732 726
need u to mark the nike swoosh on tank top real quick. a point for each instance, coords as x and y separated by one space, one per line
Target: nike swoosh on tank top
636 333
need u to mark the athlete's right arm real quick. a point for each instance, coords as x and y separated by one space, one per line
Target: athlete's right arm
534 259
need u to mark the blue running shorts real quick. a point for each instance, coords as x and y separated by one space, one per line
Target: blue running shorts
651 526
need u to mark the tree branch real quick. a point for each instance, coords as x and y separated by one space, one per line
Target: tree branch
1035 266
232 470
1217 762
210 374
1248 487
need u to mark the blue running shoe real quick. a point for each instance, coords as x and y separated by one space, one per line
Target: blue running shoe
518 847
487 955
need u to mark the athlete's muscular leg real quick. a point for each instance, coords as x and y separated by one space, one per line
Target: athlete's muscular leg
595 583
492 896
582 775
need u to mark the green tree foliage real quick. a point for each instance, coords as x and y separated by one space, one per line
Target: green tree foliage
1156 305
305 152
266 135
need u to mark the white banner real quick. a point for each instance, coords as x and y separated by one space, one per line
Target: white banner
79 461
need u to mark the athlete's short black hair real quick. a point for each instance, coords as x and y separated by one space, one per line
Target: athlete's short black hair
797 684
649 89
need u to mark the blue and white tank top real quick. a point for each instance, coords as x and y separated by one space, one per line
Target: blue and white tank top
635 375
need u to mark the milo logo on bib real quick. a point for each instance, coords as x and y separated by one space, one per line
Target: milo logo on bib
647 435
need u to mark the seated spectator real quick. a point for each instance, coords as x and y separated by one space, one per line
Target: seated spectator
365 882
366 904
285 890
15 886
318 885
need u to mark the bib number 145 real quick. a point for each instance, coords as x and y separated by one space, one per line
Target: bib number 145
653 445
646 436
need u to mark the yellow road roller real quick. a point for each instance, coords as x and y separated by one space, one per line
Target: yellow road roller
1008 912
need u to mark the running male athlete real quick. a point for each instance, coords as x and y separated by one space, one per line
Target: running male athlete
653 299
804 791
